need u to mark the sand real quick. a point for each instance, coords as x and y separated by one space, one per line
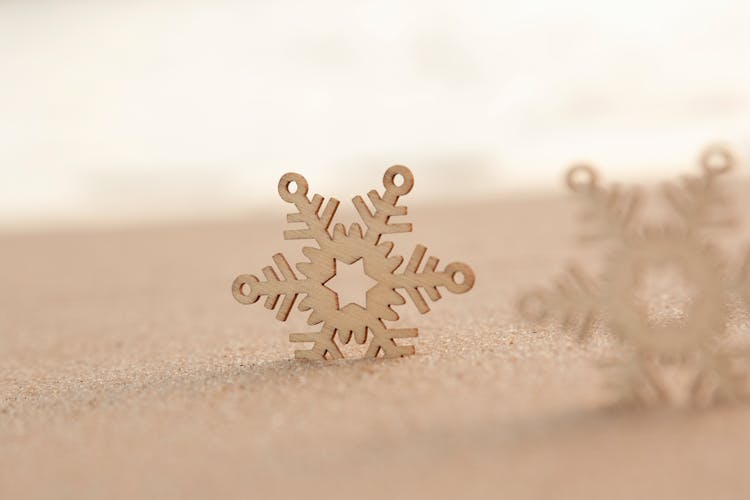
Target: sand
127 370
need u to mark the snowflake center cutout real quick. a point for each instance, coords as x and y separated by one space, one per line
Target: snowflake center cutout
665 293
337 250
351 283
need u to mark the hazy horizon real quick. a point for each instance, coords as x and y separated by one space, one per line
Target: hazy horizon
145 110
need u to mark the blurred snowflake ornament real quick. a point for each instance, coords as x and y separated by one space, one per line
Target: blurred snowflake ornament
693 339
341 323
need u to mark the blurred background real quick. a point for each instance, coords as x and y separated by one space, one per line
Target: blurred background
127 111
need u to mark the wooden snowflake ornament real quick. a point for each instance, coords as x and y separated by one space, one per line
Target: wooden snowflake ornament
352 321
694 339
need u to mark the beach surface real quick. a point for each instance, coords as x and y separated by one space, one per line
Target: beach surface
127 370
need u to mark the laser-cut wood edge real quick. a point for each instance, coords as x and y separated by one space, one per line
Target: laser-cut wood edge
395 283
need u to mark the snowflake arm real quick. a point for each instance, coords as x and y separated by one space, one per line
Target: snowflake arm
323 345
610 211
429 279
247 289
722 378
383 339
574 298
386 206
698 200
636 382
307 211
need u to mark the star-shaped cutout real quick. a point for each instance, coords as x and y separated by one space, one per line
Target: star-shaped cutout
351 283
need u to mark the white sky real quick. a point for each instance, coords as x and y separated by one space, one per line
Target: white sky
132 109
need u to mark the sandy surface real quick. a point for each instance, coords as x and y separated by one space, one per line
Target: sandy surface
128 371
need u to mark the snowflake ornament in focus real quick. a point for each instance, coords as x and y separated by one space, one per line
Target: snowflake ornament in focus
340 324
692 339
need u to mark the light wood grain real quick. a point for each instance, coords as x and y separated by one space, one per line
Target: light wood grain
344 322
